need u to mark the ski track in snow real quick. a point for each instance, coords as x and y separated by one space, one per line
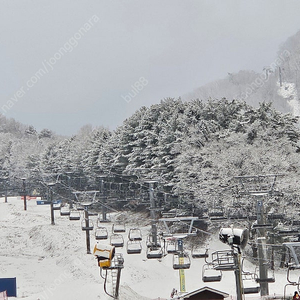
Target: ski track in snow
50 261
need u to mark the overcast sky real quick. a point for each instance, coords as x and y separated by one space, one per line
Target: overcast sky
67 63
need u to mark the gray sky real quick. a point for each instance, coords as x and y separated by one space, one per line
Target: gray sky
67 63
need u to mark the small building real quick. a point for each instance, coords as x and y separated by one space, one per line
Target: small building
205 293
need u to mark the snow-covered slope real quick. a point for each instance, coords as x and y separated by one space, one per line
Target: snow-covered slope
50 261
289 92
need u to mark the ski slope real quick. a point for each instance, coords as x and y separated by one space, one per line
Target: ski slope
50 261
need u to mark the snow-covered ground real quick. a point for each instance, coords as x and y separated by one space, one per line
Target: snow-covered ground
50 261
289 92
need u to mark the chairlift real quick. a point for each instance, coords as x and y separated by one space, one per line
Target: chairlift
217 217
134 247
135 234
223 260
216 212
251 290
74 215
262 226
183 225
79 207
199 252
293 265
100 221
154 251
116 228
92 213
251 278
151 241
273 216
172 246
87 224
270 279
101 233
210 274
64 211
57 206
292 281
181 260
237 213
283 229
288 232
117 240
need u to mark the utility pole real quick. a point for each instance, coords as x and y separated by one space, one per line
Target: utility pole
261 244
4 180
181 262
50 195
152 212
102 193
69 187
87 228
5 191
24 193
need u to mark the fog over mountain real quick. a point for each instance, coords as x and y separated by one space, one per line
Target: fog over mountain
65 64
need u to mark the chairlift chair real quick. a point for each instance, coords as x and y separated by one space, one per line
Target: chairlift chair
237 213
262 226
101 233
180 225
135 234
197 252
87 224
217 216
64 211
210 274
80 207
150 241
101 220
56 206
249 277
251 217
116 228
292 282
117 240
270 279
251 290
283 229
181 260
154 251
223 260
74 215
134 247
216 212
172 246
273 216
92 213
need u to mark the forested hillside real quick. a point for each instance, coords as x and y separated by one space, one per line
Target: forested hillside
193 148
278 82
